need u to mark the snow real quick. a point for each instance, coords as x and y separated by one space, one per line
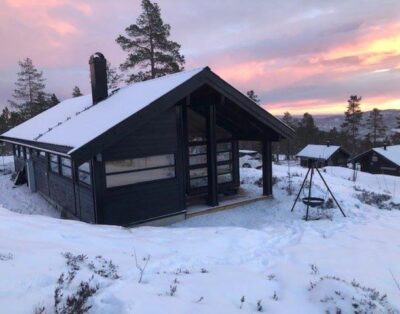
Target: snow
391 152
83 121
322 152
18 198
256 251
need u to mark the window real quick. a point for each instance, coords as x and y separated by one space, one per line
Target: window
18 150
54 166
23 152
28 153
66 167
84 173
42 154
137 170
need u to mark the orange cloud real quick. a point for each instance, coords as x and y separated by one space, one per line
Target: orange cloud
324 106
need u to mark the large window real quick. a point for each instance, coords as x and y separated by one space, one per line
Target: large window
84 173
224 162
54 165
137 170
66 167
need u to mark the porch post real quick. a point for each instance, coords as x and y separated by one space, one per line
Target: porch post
267 167
212 154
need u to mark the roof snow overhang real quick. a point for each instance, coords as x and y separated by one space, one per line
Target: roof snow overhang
204 77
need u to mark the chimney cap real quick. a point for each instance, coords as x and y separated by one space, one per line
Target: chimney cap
96 55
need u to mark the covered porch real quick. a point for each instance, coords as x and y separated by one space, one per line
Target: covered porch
211 126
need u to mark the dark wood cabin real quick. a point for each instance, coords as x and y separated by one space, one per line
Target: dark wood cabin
145 151
380 160
323 155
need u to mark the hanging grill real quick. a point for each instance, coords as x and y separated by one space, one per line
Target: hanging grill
313 201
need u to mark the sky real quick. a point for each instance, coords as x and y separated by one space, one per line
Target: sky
298 56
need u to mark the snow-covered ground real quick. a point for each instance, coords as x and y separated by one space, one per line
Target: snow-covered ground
225 262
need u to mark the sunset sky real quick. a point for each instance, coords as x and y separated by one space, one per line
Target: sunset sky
297 55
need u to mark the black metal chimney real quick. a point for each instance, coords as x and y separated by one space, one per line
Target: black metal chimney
328 143
385 145
98 77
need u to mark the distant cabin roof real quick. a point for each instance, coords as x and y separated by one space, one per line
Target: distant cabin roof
321 152
391 153
76 121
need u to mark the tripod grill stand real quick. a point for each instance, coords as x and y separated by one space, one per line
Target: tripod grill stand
314 201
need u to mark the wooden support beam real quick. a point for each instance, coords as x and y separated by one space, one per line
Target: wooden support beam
212 154
267 167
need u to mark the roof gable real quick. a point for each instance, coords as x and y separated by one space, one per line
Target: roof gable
88 128
321 152
391 153
75 122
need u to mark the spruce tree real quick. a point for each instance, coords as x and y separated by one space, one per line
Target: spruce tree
150 53
253 96
29 89
375 126
352 121
113 77
76 92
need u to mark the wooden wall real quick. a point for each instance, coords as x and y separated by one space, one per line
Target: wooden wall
142 201
380 166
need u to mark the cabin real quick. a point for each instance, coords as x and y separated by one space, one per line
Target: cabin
143 153
323 155
379 160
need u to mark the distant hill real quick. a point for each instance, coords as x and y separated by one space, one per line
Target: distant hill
328 122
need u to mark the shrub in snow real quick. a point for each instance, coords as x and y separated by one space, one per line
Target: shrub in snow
259 306
141 267
6 257
172 290
379 200
104 268
40 310
204 271
242 300
180 271
77 301
275 296
314 269
340 296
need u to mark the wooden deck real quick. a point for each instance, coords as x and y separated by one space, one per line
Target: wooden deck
227 202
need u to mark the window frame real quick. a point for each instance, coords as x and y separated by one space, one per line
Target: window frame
140 170
53 162
62 165
89 173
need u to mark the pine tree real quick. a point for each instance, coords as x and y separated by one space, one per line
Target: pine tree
149 50
288 144
307 132
352 121
113 77
53 100
76 92
5 120
375 125
289 120
253 96
29 88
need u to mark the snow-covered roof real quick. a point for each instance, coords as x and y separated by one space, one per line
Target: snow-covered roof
391 153
76 121
322 152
